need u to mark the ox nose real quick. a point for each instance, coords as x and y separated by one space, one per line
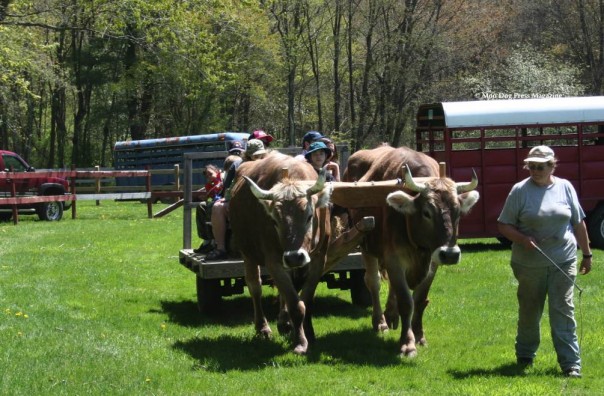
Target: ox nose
295 258
447 255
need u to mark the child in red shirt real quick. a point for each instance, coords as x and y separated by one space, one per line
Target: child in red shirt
214 185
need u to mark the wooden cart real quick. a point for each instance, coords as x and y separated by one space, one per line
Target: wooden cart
218 279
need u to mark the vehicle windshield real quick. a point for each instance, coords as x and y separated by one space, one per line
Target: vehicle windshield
13 164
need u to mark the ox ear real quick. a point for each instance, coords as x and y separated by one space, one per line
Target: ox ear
401 202
467 200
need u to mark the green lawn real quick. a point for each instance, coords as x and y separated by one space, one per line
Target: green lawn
100 305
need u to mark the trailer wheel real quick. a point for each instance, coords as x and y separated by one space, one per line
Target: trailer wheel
209 295
359 293
595 227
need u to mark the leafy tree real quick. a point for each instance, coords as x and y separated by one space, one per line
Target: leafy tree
76 76
579 27
526 74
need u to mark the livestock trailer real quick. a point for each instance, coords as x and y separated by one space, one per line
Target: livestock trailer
494 136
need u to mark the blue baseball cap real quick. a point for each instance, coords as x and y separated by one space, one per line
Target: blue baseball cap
311 136
236 147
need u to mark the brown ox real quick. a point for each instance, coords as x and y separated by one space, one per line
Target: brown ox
284 224
411 232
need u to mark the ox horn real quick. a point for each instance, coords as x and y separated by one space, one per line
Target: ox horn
469 186
320 184
257 191
410 183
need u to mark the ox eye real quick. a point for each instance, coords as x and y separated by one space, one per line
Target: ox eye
309 219
426 213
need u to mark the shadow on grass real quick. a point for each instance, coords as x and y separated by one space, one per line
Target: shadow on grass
351 346
230 312
238 310
505 370
226 353
482 246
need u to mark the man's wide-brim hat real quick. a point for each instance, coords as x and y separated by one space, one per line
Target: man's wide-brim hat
540 154
255 147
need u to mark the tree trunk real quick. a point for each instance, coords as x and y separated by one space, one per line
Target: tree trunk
60 128
139 101
313 53
600 79
291 119
364 99
81 106
351 96
3 125
3 7
336 29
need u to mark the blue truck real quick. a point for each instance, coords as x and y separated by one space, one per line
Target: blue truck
164 153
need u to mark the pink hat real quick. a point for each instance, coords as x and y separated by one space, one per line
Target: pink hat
261 135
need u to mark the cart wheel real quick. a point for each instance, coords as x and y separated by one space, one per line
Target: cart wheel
208 295
359 293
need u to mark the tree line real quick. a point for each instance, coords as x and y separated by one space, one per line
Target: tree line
77 76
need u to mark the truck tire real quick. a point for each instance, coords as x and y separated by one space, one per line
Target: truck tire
209 295
50 211
359 294
595 227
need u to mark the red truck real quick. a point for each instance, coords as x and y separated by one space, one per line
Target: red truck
494 136
34 186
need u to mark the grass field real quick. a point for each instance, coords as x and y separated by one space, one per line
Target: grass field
100 306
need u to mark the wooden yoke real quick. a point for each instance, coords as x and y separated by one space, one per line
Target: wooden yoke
363 194
373 194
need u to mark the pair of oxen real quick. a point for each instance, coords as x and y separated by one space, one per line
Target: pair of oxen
280 219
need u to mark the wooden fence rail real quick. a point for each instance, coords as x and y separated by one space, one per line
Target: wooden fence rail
92 185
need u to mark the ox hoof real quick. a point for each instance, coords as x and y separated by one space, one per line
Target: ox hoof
265 333
380 324
408 352
300 350
382 327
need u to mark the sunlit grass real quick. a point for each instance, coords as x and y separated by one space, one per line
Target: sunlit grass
100 305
